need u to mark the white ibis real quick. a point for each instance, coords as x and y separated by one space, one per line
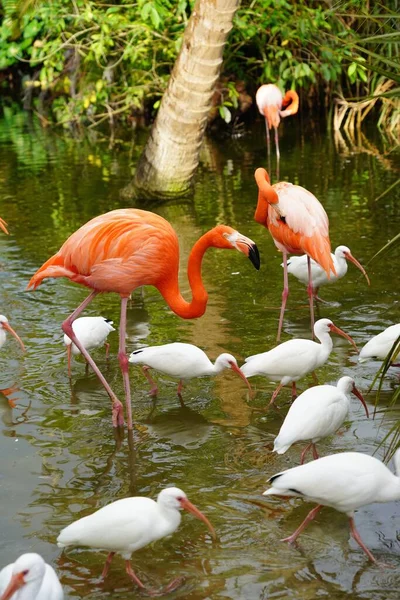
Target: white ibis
293 359
317 413
297 266
4 327
344 481
29 578
127 525
183 361
91 332
380 345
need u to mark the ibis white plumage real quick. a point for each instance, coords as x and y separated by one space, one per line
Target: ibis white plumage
298 267
129 524
317 413
380 345
345 481
29 578
4 327
92 332
183 361
293 359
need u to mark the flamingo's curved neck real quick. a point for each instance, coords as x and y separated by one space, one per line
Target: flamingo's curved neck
170 289
266 195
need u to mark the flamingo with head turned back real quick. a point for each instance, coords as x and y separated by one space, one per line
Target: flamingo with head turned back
297 266
3 225
293 359
125 249
270 101
298 224
345 481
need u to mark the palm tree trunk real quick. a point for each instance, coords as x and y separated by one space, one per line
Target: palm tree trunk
171 155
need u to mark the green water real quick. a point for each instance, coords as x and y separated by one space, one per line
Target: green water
60 457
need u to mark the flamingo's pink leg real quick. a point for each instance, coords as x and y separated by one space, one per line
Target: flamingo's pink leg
123 361
117 412
310 295
285 294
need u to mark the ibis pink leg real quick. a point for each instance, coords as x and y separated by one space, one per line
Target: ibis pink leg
107 565
294 391
303 454
285 294
310 295
314 452
274 395
107 347
359 541
130 572
154 387
311 515
315 378
117 409
123 361
180 388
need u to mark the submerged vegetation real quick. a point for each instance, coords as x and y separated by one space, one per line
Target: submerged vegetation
88 62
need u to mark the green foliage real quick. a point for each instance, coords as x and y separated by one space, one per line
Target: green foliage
90 62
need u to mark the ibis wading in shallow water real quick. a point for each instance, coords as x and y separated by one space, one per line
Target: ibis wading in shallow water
345 481
92 332
298 224
380 345
317 413
29 578
4 327
123 250
297 266
127 525
293 359
183 361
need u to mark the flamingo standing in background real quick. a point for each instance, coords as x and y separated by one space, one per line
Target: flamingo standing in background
298 224
297 266
129 524
344 481
125 249
3 225
270 101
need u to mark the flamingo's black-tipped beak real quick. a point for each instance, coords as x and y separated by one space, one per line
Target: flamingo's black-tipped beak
254 256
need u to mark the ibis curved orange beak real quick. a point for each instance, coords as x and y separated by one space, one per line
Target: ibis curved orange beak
242 375
187 505
16 582
335 329
3 225
359 395
8 327
351 258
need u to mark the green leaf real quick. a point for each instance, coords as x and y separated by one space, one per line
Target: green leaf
225 114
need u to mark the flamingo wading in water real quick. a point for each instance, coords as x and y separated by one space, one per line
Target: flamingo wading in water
297 266
127 525
183 361
92 332
317 413
298 224
293 359
345 481
270 101
125 249
29 578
